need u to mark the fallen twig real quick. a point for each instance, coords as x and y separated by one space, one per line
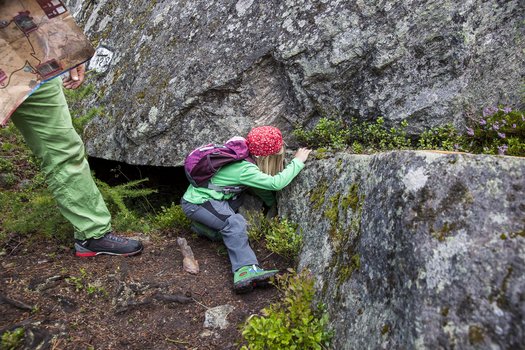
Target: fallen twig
201 304
266 257
13 250
48 283
56 344
131 305
174 341
173 298
15 303
177 298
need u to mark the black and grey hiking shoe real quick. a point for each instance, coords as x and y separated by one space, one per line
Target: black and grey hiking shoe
109 244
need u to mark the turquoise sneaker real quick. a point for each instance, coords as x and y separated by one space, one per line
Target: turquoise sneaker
204 231
250 276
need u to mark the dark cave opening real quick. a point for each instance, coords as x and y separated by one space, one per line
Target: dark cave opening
169 182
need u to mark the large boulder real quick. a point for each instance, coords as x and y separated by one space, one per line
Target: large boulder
176 74
415 250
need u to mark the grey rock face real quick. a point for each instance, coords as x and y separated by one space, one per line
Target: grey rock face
415 250
185 73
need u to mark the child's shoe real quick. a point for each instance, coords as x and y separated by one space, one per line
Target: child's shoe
251 276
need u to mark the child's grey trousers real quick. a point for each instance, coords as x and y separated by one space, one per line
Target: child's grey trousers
223 216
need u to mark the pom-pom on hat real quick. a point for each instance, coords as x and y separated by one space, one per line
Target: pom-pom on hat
264 141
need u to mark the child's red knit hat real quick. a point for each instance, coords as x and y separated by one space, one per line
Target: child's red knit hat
264 141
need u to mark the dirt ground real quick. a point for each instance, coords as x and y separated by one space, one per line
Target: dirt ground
141 302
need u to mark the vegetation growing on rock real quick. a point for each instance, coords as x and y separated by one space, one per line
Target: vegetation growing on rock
499 130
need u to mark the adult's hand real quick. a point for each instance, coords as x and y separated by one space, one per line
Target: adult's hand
302 154
76 77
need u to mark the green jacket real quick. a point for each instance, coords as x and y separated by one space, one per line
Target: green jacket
247 174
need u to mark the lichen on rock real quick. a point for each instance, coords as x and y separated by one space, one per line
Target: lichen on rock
426 258
230 66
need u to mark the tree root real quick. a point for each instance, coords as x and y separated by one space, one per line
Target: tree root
170 298
18 304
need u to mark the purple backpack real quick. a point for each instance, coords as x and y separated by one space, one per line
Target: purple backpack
203 162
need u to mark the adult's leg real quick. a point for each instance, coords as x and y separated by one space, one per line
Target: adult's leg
220 216
45 122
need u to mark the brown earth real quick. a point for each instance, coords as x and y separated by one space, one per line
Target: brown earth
141 302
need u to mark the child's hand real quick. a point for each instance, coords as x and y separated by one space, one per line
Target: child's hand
302 154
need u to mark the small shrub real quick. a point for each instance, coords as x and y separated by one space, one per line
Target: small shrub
361 136
516 147
280 234
172 217
74 98
8 180
377 137
282 238
258 225
499 131
7 146
357 147
123 218
80 121
34 212
444 138
78 282
81 283
12 340
327 133
15 156
6 165
293 322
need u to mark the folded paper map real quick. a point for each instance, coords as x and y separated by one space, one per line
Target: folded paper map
39 40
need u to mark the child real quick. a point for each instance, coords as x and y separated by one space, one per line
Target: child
218 210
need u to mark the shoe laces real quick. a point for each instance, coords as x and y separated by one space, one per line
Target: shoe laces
256 268
114 238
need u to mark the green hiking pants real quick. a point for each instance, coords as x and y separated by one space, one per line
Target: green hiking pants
44 121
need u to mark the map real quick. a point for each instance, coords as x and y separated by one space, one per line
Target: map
39 40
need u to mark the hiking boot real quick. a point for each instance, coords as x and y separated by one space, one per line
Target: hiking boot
204 231
250 276
109 245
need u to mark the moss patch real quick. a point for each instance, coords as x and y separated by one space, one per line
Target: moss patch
502 299
332 214
346 271
345 259
475 335
442 233
385 329
339 164
444 311
517 234
351 199
317 195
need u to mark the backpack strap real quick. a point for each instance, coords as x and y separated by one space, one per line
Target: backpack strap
226 189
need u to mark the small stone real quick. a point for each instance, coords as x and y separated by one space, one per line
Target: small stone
206 333
216 317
